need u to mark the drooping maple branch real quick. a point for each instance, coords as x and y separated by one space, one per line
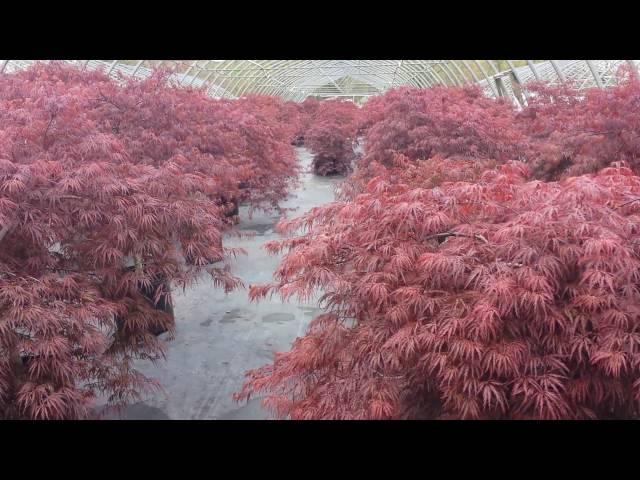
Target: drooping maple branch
454 234
45 146
105 99
5 229
628 203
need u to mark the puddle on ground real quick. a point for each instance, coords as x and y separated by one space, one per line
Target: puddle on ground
278 317
236 314
257 229
311 312
251 410
207 322
137 411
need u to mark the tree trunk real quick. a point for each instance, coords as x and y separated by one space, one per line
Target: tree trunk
164 304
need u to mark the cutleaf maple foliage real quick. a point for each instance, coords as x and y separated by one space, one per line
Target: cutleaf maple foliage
499 298
306 115
240 144
455 286
562 131
283 117
571 131
444 126
111 194
446 121
331 136
265 155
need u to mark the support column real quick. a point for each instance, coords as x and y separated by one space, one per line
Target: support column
556 67
533 69
113 65
594 72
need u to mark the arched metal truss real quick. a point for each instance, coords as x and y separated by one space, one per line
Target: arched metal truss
581 73
298 79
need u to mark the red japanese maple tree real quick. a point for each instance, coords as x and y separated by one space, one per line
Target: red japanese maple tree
570 131
283 117
499 299
265 155
447 121
242 145
111 194
306 115
450 123
331 135
457 287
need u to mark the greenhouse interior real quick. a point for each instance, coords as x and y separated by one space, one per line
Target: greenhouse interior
319 239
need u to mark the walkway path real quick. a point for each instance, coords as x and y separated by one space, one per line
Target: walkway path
219 336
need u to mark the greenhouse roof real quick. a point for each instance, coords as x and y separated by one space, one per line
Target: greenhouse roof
298 79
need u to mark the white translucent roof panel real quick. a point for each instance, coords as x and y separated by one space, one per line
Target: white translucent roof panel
298 79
